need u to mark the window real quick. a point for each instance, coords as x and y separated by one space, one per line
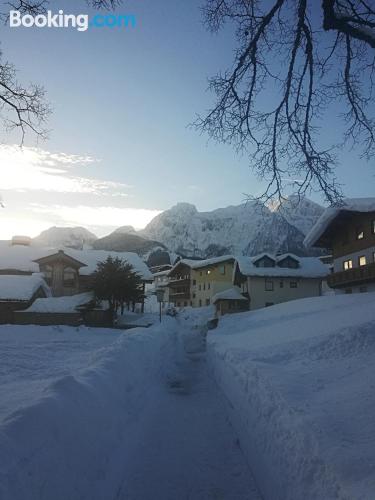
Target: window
281 284
48 272
193 295
200 274
69 276
293 284
222 268
362 289
199 287
200 302
208 286
362 260
204 286
360 234
348 264
268 286
268 304
207 302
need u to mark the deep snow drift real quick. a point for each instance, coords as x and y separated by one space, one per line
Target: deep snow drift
300 377
127 416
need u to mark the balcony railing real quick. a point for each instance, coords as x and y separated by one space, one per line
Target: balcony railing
355 276
176 282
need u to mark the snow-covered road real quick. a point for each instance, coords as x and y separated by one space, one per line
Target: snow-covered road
186 447
132 416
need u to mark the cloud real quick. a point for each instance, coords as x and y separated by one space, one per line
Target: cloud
34 169
103 219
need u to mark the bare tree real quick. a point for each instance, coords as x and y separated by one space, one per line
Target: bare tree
25 107
296 62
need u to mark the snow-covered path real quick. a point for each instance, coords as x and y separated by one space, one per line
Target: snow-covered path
186 448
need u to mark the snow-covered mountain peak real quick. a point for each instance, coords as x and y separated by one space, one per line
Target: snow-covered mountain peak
125 230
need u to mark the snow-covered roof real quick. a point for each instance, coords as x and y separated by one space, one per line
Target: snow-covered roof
92 257
22 258
21 288
360 205
67 304
233 293
198 264
309 267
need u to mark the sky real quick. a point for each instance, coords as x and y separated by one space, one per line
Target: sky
119 149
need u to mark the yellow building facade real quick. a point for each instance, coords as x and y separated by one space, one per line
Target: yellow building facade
210 277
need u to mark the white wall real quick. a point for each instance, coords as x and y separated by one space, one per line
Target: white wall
259 296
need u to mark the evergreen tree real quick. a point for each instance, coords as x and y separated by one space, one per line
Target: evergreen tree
116 281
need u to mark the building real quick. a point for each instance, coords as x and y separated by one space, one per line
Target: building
72 310
209 277
161 282
230 301
18 292
180 283
267 279
349 232
195 282
66 271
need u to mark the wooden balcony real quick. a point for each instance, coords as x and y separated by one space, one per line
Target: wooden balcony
355 276
179 282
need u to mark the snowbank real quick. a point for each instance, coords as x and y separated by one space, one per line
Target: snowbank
21 287
300 379
65 444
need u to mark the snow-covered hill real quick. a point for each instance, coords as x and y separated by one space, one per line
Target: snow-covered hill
244 229
72 237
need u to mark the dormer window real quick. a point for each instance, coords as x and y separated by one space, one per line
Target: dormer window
264 261
288 262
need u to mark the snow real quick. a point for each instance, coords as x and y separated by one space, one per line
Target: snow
361 205
299 377
131 416
66 304
20 287
233 293
309 267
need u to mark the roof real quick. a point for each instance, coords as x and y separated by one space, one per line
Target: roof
92 257
21 288
356 205
25 258
309 267
233 293
62 256
198 264
65 304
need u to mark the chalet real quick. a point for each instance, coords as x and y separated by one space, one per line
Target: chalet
18 292
266 279
180 283
348 231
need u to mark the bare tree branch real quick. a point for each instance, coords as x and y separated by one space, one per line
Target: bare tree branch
286 76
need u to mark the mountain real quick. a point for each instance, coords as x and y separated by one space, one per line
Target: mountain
244 229
126 242
72 237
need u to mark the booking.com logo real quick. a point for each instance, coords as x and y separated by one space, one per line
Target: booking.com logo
81 22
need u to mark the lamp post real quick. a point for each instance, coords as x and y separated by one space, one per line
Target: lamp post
160 297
